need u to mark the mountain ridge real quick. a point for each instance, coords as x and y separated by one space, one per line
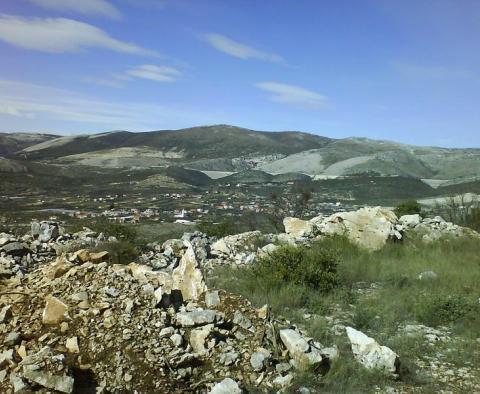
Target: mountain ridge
230 148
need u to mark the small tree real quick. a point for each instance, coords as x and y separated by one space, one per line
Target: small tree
410 207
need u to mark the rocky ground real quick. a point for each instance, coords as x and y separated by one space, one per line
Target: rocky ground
70 321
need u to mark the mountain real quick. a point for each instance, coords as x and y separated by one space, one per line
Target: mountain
14 142
234 149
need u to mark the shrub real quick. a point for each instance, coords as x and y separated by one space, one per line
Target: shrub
219 230
409 207
446 309
314 267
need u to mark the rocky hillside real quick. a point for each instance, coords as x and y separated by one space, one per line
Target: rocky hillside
229 148
71 322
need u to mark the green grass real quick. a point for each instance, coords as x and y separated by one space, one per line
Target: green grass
450 300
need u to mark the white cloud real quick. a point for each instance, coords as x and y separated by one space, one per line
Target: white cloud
155 73
86 7
34 107
294 95
59 35
239 50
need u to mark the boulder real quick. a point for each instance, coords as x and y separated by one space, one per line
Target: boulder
372 355
410 221
299 348
298 228
370 228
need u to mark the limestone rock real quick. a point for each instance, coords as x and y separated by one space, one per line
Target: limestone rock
298 228
370 228
370 354
226 386
62 383
55 311
196 318
198 338
188 277
72 345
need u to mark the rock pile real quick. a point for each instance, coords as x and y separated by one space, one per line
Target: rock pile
76 325
19 255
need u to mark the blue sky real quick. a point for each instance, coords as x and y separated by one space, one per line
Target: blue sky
400 70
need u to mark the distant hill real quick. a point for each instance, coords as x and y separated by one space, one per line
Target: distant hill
235 149
14 142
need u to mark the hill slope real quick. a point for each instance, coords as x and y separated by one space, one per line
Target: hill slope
229 148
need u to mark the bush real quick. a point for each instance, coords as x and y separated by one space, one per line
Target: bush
314 267
447 309
410 207
219 230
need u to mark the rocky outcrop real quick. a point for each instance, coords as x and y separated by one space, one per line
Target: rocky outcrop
298 228
370 228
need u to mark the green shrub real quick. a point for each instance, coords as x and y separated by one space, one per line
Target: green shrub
443 309
218 230
314 267
409 207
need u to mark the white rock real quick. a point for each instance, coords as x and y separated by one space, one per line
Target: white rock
188 277
370 354
226 386
410 220
298 228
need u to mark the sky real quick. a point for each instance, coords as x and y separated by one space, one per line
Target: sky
405 70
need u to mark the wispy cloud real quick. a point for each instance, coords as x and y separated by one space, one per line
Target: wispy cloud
85 7
155 73
239 50
59 35
294 95
38 106
435 72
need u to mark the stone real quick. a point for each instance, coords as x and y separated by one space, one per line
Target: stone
45 231
212 299
283 381
58 268
166 332
55 311
241 320
188 277
6 358
198 338
427 275
410 221
196 318
298 228
16 249
12 339
99 257
369 228
294 342
258 360
262 312
177 339
62 383
228 358
72 345
372 355
19 385
6 314
226 386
